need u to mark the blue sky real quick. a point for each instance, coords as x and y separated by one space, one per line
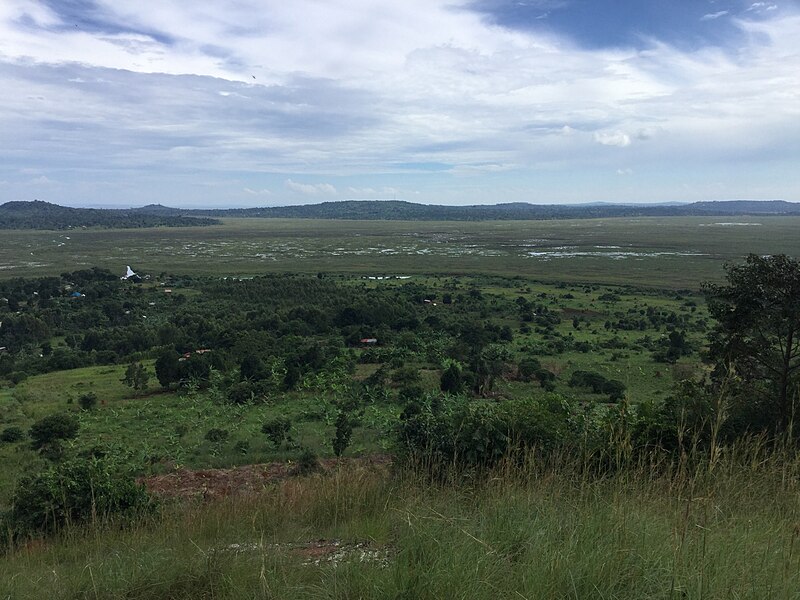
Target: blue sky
257 103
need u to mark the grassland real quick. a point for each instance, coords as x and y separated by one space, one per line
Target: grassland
658 252
539 531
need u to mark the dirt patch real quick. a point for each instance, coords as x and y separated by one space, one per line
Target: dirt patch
323 552
210 484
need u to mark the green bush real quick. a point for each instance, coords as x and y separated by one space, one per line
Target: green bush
74 492
88 401
11 434
277 430
53 429
453 430
217 435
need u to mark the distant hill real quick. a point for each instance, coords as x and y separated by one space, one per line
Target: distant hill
44 215
408 211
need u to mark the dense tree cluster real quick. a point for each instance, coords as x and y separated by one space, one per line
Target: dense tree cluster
43 215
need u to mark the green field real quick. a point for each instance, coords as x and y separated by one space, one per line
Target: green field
657 252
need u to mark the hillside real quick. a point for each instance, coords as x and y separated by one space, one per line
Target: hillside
44 215
396 210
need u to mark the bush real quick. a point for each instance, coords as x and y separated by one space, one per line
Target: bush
277 430
451 381
308 462
11 434
75 492
447 430
217 435
240 393
17 377
88 401
527 367
53 429
343 434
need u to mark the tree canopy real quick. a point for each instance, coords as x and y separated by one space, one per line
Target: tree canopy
758 335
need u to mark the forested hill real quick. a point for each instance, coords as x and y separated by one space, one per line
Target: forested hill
44 215
408 211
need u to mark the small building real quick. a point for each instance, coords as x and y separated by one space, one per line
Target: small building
369 340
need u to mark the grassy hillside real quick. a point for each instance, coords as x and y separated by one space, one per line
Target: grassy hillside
536 531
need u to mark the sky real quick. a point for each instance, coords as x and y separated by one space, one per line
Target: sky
268 103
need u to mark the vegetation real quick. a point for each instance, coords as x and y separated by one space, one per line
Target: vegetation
757 340
384 210
43 215
660 417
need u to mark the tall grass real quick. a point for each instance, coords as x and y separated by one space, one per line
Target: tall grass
726 527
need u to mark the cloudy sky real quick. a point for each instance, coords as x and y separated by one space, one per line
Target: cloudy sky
273 102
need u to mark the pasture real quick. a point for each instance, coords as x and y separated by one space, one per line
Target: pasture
652 252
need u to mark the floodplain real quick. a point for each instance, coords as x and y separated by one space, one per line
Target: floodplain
659 252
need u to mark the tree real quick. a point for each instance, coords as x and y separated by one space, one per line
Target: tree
343 432
451 381
136 376
168 367
758 333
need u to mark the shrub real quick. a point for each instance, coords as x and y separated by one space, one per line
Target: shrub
74 492
447 430
615 389
405 376
241 392
527 367
308 462
88 401
277 430
217 435
410 392
451 381
11 434
53 429
343 434
17 377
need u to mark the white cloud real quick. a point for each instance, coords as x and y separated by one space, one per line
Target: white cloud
624 172
261 192
612 138
762 7
310 189
714 16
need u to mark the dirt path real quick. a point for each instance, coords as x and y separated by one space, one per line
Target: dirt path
210 484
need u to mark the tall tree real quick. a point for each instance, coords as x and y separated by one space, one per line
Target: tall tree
758 332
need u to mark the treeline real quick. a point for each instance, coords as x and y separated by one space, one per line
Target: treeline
396 210
44 215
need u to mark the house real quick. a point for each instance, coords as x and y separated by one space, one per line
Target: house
77 295
369 340
188 355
